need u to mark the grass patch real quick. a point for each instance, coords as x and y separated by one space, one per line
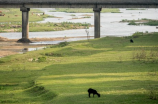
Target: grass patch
143 21
113 66
37 27
135 9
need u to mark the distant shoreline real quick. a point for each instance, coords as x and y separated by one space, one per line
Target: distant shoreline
2 39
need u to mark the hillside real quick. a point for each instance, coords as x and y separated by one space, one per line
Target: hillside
122 72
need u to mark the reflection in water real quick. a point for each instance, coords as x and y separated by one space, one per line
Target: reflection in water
31 49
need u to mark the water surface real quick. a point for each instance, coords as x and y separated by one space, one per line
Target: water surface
110 25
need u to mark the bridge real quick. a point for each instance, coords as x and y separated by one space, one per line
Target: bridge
97 6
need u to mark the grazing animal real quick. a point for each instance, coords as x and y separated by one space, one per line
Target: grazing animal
92 91
131 41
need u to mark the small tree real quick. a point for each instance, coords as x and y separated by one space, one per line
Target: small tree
87 32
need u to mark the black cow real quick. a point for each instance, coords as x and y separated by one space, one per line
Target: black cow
92 91
131 41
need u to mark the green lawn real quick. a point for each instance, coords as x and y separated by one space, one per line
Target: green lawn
122 72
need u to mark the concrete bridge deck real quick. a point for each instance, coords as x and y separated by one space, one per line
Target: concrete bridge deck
79 3
97 6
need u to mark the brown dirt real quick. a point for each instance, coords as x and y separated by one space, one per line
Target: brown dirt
11 47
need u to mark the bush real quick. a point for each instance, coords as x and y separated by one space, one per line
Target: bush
132 23
63 44
2 61
54 54
137 34
152 23
41 59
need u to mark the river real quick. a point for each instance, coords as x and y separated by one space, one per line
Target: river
110 25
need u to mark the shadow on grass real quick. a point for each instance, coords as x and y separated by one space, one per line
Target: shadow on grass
25 92
106 99
74 52
20 87
99 67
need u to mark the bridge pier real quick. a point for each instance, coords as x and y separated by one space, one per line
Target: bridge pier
25 25
97 22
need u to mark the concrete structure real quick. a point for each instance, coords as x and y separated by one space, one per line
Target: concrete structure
97 22
25 25
97 5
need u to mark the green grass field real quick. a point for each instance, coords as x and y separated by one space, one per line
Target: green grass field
122 72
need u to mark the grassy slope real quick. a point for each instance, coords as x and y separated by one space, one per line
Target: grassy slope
105 64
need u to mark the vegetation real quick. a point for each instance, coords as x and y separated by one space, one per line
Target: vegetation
81 10
143 21
15 15
135 9
116 68
11 22
37 27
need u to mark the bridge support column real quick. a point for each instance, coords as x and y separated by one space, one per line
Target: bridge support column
96 22
25 25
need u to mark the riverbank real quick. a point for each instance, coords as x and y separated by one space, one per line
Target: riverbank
11 22
10 46
41 27
143 21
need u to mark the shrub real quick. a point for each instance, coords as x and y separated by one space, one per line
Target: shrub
152 23
63 44
132 23
2 61
137 34
54 54
41 59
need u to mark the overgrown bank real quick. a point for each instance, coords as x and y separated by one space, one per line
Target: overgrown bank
39 27
61 74
11 22
143 21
